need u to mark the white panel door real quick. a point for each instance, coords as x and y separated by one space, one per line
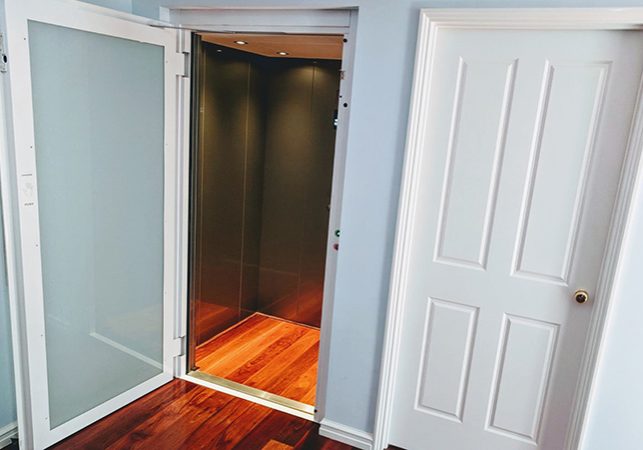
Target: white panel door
93 148
522 140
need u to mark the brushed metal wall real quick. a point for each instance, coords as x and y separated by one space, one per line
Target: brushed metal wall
262 174
299 153
227 191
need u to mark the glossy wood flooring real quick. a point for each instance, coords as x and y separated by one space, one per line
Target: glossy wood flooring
266 353
183 415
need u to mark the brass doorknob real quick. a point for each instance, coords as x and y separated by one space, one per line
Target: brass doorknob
581 296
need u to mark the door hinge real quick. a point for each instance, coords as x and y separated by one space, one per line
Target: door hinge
178 347
179 62
185 65
3 55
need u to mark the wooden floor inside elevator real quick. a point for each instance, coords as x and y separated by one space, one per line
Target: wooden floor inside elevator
266 353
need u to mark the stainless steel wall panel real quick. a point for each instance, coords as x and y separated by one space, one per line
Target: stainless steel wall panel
262 174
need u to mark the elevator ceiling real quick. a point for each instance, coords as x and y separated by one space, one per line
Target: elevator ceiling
281 45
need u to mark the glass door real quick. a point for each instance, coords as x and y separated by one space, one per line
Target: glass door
93 109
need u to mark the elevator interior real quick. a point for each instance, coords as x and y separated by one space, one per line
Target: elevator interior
263 139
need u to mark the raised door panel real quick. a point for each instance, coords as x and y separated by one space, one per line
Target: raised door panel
521 380
475 148
448 346
563 140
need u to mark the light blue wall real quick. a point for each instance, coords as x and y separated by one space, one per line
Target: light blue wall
121 5
383 68
7 393
615 412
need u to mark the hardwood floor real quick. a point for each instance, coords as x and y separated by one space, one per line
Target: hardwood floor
266 353
183 415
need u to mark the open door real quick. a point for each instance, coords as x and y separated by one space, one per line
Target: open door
92 106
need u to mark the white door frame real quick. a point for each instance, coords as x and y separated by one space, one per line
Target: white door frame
316 20
522 18
21 225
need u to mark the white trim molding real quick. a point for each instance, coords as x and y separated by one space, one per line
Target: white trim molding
432 20
264 20
7 433
536 18
335 219
345 434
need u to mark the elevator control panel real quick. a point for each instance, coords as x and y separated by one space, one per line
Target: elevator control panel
27 188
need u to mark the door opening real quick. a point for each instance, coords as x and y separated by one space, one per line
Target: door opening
264 121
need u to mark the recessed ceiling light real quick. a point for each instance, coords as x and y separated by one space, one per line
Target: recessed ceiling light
240 42
219 50
282 53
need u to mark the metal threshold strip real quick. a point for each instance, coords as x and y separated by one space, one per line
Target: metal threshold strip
265 398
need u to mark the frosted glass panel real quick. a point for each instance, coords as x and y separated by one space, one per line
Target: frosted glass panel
98 112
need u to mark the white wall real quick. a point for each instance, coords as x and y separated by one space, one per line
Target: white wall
383 66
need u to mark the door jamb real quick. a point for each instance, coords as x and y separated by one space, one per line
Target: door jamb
272 21
431 20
